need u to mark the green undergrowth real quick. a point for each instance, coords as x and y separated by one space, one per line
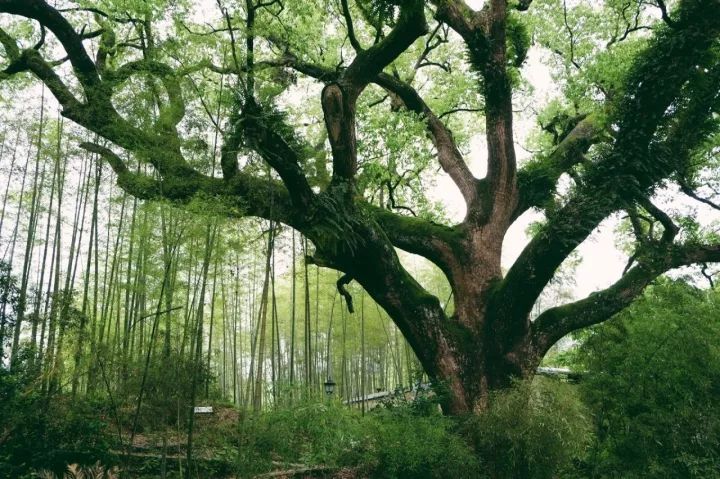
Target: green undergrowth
384 443
535 430
399 439
39 433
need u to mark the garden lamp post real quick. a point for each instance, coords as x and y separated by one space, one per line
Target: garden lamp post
329 386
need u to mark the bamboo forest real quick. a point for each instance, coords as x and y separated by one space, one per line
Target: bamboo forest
359 239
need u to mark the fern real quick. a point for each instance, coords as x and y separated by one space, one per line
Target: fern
378 12
75 471
341 228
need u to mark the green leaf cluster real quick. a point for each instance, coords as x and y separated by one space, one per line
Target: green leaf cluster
653 382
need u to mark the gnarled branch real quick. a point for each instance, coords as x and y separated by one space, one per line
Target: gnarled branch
636 162
557 322
537 180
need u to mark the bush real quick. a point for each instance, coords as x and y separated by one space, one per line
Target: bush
166 391
536 430
309 433
38 432
653 385
400 442
385 443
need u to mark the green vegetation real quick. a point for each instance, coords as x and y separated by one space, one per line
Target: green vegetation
646 406
239 205
653 383
40 434
533 430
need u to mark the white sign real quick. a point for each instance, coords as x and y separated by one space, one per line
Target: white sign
203 410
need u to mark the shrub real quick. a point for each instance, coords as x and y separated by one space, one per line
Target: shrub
310 433
38 432
385 443
534 430
653 386
167 389
401 442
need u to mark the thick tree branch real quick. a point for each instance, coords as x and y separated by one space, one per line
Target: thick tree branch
435 242
490 57
10 45
537 180
484 33
178 180
155 68
636 163
410 26
664 13
339 99
461 18
685 188
136 184
243 195
670 229
263 131
99 116
557 322
321 73
349 26
449 156
232 140
97 113
339 115
341 283
170 114
31 60
71 41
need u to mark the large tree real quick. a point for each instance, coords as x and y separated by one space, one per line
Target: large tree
642 117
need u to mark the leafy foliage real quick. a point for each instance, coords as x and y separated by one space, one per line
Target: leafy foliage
534 430
378 12
403 443
653 383
39 433
167 387
308 433
385 443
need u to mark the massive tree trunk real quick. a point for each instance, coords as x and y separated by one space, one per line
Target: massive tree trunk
466 354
